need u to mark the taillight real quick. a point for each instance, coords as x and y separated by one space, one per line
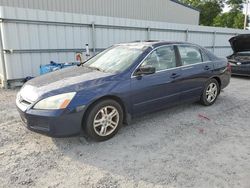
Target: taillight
229 68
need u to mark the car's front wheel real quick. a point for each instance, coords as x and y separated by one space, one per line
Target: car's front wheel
210 92
103 120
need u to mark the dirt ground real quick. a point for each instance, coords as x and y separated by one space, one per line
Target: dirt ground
185 146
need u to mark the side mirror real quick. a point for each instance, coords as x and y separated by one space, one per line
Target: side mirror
145 70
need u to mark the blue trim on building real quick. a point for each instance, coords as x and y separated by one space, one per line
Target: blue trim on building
185 5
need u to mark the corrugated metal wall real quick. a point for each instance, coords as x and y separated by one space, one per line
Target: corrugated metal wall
156 10
177 13
32 38
1 57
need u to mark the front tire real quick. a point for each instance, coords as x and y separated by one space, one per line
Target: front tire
103 120
210 92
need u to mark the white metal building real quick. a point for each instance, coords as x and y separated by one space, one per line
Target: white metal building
32 37
154 10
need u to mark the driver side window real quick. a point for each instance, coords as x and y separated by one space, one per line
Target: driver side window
162 58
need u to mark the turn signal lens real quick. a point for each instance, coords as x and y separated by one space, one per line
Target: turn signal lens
65 104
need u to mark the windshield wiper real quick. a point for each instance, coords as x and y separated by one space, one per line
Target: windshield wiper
99 69
93 68
96 68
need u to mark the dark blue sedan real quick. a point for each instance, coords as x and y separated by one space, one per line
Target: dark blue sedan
124 81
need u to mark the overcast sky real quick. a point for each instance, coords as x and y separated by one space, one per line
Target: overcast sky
226 8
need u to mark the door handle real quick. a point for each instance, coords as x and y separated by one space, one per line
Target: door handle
174 75
187 68
206 67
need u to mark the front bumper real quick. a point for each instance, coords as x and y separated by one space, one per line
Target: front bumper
54 123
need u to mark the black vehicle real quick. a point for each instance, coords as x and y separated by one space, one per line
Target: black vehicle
240 59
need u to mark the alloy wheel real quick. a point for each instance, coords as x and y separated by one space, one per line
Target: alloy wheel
211 92
106 121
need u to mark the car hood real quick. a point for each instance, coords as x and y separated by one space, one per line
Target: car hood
240 43
65 80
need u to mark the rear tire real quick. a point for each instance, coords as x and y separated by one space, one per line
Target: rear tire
210 92
103 120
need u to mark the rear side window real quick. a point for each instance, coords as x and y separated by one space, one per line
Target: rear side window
189 55
204 56
162 58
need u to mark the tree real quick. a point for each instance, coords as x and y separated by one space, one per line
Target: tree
235 4
239 21
232 19
193 3
196 3
209 9
211 12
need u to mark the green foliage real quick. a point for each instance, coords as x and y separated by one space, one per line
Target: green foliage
239 21
230 19
211 12
207 17
235 4
193 3
209 9
196 3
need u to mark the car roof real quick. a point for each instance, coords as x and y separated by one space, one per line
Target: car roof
153 43
156 43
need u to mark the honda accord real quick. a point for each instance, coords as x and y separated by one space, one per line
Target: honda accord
121 82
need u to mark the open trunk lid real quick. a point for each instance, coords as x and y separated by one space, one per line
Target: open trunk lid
240 43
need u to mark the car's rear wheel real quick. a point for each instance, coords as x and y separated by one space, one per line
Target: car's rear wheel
210 92
103 120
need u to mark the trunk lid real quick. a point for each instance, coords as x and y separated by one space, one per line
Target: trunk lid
240 43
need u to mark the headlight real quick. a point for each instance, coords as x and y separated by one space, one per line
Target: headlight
55 102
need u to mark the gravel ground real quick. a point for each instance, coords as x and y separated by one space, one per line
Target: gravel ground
185 146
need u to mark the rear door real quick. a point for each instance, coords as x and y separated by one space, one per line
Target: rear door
195 70
155 91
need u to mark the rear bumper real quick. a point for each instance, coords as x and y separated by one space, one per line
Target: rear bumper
241 70
225 79
56 123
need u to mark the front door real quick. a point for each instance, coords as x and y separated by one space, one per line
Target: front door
158 90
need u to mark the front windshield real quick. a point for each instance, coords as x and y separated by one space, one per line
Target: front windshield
115 59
